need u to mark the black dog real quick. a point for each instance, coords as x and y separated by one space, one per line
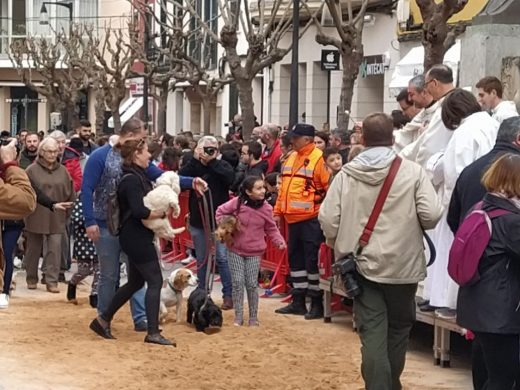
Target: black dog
203 315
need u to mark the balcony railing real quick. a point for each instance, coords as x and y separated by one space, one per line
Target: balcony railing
312 5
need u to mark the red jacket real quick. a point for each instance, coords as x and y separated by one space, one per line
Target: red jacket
70 160
272 156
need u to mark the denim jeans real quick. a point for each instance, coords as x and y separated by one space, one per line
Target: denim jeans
199 241
109 252
10 237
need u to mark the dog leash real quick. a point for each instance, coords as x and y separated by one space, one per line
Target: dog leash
208 225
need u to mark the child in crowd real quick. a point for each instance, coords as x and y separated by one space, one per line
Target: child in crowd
85 255
170 159
333 160
272 184
255 217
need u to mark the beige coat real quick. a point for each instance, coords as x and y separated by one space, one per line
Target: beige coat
17 199
57 184
395 253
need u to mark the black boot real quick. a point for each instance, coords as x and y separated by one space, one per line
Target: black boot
93 301
71 292
297 306
316 309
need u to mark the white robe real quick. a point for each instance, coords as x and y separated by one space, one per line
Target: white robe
433 139
413 129
474 138
505 109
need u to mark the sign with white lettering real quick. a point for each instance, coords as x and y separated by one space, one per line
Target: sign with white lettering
372 66
329 60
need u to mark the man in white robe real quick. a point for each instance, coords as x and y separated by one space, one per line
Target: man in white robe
438 83
474 134
422 100
489 96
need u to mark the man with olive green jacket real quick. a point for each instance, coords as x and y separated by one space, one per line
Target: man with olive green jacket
393 262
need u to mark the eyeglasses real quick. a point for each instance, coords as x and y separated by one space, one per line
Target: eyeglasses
53 151
141 143
428 82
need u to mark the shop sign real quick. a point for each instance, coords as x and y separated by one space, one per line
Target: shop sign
372 66
329 60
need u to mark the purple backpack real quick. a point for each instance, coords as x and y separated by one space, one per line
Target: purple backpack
470 242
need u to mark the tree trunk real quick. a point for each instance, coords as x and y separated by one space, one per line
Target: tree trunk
161 113
351 62
245 94
437 36
206 112
100 113
73 116
434 36
117 120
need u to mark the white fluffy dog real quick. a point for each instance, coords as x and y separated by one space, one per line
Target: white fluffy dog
171 294
161 198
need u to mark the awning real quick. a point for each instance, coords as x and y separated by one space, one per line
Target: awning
127 110
411 65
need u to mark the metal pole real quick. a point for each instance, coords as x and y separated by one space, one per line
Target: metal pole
293 100
70 19
328 98
145 81
25 108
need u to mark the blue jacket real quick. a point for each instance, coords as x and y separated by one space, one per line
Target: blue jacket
93 179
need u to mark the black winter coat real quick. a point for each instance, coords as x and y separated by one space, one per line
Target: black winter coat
469 189
492 304
218 174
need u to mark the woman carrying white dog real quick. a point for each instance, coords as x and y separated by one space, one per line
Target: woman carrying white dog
255 221
137 242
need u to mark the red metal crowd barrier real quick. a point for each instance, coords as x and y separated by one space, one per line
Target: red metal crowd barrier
326 255
181 242
276 260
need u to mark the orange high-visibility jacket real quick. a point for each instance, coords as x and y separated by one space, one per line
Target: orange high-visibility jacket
305 180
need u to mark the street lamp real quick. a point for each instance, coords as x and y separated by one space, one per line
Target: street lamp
44 15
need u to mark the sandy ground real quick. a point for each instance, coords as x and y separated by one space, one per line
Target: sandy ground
46 344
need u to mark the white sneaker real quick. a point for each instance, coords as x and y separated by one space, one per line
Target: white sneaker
187 260
4 301
17 263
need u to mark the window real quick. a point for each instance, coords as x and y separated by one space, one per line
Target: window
83 11
19 28
210 46
202 46
4 26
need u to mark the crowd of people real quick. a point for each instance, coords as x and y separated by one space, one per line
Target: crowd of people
371 193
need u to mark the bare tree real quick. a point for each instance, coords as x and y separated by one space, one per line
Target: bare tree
115 52
437 35
349 27
186 56
263 34
50 67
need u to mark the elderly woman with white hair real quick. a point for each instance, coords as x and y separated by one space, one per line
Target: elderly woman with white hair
45 225
219 175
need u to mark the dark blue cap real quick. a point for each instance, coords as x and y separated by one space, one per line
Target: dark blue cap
302 130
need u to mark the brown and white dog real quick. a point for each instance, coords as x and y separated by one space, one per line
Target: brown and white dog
227 227
171 294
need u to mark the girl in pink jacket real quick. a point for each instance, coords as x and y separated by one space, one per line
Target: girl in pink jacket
255 217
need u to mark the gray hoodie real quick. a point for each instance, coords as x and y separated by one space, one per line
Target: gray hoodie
395 253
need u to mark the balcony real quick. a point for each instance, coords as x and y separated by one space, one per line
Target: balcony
313 6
